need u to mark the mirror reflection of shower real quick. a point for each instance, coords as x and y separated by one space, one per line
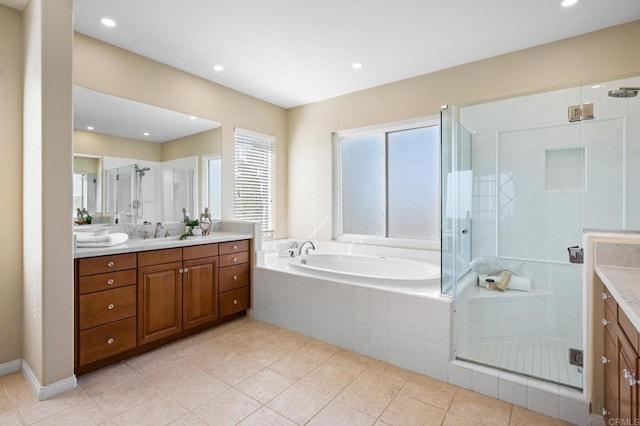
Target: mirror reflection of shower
624 92
138 203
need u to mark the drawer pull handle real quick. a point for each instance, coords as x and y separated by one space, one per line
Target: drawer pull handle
235 301
110 264
630 377
110 281
605 360
605 296
235 277
235 259
235 247
110 341
605 322
111 306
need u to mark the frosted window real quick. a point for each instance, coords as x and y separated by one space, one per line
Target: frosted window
412 183
363 185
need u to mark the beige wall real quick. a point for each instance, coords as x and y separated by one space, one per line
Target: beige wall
108 69
47 123
91 143
592 57
86 165
11 178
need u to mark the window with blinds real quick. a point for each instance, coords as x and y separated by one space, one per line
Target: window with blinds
254 164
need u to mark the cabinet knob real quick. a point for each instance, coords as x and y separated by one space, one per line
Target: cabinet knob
110 281
186 270
630 377
110 264
235 247
235 301
605 412
235 277
605 296
235 259
110 341
605 322
110 306
181 270
605 360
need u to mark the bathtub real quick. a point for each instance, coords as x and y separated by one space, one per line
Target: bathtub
389 308
401 275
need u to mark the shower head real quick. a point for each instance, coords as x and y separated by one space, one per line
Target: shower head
141 170
624 92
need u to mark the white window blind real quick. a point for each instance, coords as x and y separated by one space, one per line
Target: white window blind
254 161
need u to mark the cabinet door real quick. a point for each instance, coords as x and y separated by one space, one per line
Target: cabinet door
200 294
627 380
159 301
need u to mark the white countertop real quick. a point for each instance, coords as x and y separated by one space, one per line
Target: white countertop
624 285
137 245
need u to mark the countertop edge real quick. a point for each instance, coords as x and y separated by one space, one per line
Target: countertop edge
614 288
135 246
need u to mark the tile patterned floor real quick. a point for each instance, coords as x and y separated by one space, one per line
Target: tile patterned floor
251 373
547 359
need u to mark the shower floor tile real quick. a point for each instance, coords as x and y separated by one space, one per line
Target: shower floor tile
546 359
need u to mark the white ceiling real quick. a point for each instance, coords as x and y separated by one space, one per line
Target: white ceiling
293 52
130 119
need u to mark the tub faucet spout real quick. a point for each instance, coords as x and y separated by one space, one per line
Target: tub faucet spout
158 228
313 247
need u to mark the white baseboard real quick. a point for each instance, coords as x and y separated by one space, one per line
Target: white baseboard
10 367
45 392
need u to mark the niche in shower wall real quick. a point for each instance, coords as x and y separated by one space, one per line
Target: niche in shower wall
564 169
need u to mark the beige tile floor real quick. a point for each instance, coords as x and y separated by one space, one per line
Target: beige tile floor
251 373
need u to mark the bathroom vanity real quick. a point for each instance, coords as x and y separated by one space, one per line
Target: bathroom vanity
137 296
613 280
621 341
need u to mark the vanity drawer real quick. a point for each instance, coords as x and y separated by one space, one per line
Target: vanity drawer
629 330
234 259
609 301
159 257
234 301
198 252
611 325
106 340
234 247
102 264
92 283
234 277
107 306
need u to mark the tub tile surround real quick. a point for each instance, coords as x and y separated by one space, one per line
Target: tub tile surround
409 331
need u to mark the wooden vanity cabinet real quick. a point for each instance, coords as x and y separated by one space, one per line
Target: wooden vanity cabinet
622 364
105 307
130 303
200 285
234 277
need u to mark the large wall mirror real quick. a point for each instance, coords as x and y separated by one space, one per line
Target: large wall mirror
137 163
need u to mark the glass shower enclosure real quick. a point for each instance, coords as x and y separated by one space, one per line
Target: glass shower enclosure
521 186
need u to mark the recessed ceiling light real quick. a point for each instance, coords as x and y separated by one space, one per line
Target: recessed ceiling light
89 127
567 3
108 22
146 133
193 117
356 65
218 67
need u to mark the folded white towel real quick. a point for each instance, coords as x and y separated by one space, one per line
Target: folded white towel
87 240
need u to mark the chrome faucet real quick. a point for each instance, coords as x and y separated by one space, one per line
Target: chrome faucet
158 228
313 247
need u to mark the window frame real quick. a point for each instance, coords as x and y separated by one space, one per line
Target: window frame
337 234
270 233
205 201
